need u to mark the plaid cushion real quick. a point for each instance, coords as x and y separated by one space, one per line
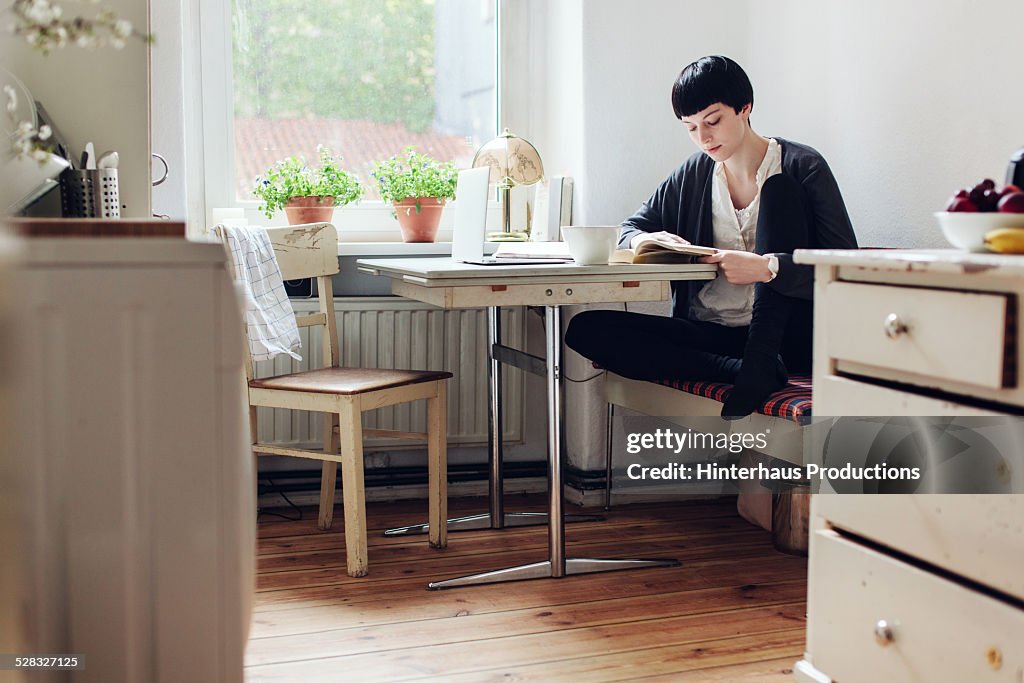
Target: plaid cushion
792 401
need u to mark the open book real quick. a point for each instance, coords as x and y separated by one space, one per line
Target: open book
650 249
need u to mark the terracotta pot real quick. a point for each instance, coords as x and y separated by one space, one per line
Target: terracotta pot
309 210
419 225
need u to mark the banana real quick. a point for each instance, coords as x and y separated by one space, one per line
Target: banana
1006 240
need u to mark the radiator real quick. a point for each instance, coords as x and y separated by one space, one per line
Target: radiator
387 332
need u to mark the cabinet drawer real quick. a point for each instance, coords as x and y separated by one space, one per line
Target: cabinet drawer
980 537
844 396
948 335
941 631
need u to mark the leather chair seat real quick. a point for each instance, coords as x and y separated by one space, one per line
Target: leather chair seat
347 381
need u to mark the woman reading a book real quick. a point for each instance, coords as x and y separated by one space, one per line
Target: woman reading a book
756 200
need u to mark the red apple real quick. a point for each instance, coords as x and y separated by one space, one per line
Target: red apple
1009 189
964 195
1012 203
961 204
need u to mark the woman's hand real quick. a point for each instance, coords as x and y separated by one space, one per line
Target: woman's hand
663 236
740 267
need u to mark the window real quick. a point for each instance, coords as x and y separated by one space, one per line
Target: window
362 77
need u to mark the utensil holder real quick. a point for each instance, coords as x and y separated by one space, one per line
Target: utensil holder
90 193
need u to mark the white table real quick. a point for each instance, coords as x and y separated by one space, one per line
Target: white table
448 284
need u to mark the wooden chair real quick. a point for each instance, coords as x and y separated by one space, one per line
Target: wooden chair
343 394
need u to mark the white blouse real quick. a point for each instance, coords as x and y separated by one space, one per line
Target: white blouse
719 301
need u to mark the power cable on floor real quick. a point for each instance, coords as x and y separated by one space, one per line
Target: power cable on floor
288 500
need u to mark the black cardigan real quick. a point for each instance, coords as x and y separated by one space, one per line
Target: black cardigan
682 205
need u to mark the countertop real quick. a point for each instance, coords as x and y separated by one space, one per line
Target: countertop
943 261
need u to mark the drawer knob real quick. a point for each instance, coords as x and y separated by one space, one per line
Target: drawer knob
883 633
893 326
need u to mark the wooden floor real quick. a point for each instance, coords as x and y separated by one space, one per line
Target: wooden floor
734 610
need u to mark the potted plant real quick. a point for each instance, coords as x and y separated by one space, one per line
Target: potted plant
307 195
418 186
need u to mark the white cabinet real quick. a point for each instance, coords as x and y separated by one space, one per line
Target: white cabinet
137 482
926 587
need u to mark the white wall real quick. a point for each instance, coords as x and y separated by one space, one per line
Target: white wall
632 53
555 94
97 95
907 101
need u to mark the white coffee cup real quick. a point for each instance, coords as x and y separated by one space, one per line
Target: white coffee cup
591 245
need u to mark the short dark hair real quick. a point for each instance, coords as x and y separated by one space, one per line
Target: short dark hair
709 80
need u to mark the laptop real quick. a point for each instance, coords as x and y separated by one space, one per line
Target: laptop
471 223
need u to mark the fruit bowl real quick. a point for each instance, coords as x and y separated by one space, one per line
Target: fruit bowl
966 230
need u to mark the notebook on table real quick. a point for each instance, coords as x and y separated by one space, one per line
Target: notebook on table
471 224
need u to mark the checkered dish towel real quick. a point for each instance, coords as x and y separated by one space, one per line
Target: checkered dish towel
268 312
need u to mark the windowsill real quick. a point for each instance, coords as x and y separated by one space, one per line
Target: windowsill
394 248
362 249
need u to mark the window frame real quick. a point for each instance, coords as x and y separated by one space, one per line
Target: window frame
369 220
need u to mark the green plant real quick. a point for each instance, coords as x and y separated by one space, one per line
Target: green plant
293 178
414 175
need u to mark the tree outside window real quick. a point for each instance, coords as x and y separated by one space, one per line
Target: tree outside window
363 77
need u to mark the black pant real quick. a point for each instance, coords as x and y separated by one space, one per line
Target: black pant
651 347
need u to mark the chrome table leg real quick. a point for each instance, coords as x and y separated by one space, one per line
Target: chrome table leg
556 566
